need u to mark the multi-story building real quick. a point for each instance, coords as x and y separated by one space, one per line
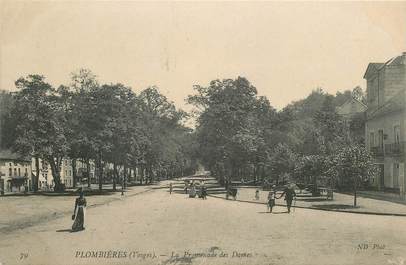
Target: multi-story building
46 181
15 172
67 173
385 129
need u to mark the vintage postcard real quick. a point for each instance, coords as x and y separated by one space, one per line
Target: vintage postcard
202 132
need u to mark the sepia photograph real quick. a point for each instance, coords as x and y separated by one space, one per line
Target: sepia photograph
202 132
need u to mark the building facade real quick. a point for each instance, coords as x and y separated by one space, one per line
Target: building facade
385 131
14 172
46 181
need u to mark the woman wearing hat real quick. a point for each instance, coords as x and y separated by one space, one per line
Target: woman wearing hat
79 212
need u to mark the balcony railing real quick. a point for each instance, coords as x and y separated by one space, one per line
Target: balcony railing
395 148
377 150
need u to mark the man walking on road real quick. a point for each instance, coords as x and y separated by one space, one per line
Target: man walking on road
289 193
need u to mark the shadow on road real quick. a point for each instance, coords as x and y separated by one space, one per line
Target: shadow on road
334 206
312 200
274 212
64 230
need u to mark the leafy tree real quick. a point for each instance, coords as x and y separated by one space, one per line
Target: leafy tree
80 105
283 161
40 132
234 127
355 166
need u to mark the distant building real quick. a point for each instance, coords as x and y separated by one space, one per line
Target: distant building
15 172
67 173
46 180
353 111
385 121
352 108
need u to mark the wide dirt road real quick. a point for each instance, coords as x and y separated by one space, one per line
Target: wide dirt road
158 228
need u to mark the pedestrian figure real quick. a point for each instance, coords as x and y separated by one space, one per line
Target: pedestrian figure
170 188
289 193
257 194
192 191
79 212
271 199
186 187
204 192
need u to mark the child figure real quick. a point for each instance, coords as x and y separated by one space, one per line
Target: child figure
271 198
257 195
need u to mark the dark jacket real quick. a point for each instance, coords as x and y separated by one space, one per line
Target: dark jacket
289 194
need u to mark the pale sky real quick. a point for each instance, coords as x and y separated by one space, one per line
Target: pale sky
284 49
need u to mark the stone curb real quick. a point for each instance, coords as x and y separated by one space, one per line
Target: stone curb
318 209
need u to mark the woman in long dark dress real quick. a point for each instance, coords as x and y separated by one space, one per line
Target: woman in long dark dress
79 213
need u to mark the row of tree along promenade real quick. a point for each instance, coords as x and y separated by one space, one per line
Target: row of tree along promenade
238 133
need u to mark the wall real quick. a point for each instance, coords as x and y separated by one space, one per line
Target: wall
16 167
387 123
395 80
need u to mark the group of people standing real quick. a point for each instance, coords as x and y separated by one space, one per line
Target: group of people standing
199 190
193 190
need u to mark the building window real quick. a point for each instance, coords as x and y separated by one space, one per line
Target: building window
371 139
15 172
380 138
395 175
19 172
10 172
396 132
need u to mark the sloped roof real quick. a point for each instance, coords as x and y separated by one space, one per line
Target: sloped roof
372 68
398 60
6 154
350 101
375 67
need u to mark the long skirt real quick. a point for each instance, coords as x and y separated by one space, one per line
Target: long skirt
79 222
271 203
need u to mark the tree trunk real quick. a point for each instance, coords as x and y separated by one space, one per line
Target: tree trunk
88 172
35 179
135 174
129 174
100 167
115 173
150 177
124 177
355 192
74 176
55 169
141 174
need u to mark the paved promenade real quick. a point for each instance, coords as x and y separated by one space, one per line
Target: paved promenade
341 202
157 228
